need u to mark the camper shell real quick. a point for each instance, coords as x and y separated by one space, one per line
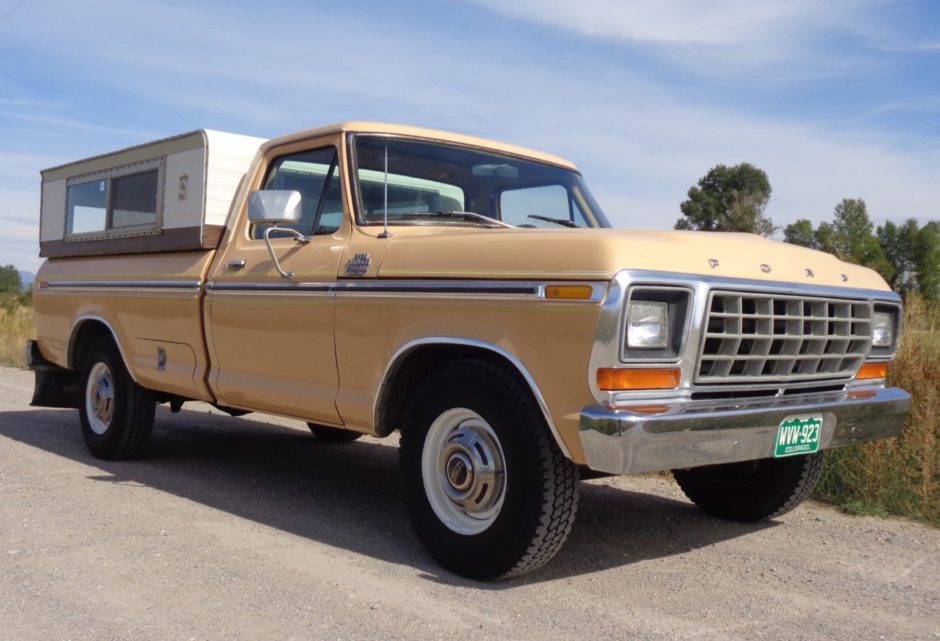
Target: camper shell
172 194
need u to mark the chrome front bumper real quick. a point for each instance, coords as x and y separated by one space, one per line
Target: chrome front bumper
694 433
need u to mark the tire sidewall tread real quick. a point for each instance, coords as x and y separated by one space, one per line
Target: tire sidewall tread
132 416
541 491
777 487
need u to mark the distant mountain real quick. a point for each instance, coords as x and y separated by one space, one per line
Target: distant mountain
27 279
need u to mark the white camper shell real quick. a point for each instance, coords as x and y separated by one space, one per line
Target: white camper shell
172 194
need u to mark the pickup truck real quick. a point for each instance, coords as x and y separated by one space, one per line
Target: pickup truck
471 295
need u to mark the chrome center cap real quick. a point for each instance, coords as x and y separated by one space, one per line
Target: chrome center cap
459 471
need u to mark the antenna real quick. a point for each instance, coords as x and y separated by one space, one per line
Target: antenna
385 233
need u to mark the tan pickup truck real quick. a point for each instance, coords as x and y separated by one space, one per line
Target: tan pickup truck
369 278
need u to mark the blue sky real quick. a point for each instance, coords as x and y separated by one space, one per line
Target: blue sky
833 99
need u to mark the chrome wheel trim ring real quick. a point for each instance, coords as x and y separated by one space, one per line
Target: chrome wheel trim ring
99 398
464 471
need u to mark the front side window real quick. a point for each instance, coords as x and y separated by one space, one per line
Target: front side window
441 183
122 202
315 174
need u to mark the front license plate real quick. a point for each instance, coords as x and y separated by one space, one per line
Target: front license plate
798 435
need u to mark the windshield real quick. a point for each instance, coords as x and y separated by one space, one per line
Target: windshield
440 183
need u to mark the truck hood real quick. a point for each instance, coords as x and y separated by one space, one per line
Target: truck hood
596 254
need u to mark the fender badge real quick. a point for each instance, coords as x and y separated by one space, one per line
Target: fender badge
183 187
765 268
713 263
809 272
358 265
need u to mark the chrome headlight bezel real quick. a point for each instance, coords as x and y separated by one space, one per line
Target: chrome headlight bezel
887 349
676 304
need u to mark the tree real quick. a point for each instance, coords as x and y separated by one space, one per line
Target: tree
801 233
897 243
853 240
927 260
729 199
10 282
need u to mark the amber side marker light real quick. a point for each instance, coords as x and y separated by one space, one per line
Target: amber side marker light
872 370
568 292
644 409
613 379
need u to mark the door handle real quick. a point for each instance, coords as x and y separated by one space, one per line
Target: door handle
238 263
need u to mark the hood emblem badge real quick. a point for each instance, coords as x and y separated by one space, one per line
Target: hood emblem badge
765 268
844 278
713 263
358 265
809 272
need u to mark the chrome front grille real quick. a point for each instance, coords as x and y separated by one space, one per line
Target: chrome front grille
754 338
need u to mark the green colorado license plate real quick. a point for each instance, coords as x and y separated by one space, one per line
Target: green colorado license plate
798 435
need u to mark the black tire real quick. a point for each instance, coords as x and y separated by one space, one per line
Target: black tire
752 490
333 434
531 514
118 428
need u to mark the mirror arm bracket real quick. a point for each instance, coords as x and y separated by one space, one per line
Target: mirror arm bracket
300 238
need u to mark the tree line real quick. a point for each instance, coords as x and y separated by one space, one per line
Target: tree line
735 198
11 289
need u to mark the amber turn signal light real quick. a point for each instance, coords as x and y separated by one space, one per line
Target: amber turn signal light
568 292
872 370
614 379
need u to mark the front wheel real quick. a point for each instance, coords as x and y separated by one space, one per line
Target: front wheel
488 491
752 490
115 412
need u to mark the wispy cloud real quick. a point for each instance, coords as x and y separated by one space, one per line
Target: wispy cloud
927 46
716 37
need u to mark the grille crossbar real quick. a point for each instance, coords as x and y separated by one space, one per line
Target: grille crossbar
752 337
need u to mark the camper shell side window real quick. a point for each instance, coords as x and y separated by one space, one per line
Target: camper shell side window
118 202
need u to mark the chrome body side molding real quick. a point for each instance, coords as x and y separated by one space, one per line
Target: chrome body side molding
193 285
534 290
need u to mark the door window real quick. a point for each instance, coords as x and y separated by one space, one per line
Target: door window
315 174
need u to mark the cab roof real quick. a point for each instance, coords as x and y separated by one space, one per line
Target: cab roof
420 132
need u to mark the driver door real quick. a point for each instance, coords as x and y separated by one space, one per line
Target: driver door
272 338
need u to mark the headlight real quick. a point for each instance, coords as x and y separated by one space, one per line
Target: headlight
648 325
882 334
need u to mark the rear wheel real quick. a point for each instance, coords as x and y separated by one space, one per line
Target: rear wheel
116 413
488 491
752 490
333 434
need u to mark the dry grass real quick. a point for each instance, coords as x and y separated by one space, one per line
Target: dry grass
901 475
16 326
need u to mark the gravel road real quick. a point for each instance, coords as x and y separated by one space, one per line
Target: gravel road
249 529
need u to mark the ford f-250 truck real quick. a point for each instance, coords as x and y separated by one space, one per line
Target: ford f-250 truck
370 278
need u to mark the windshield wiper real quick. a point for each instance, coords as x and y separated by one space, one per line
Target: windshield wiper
558 221
469 216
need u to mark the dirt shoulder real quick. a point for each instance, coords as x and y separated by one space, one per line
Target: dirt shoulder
249 529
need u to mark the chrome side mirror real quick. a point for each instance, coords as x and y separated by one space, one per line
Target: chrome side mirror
275 207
